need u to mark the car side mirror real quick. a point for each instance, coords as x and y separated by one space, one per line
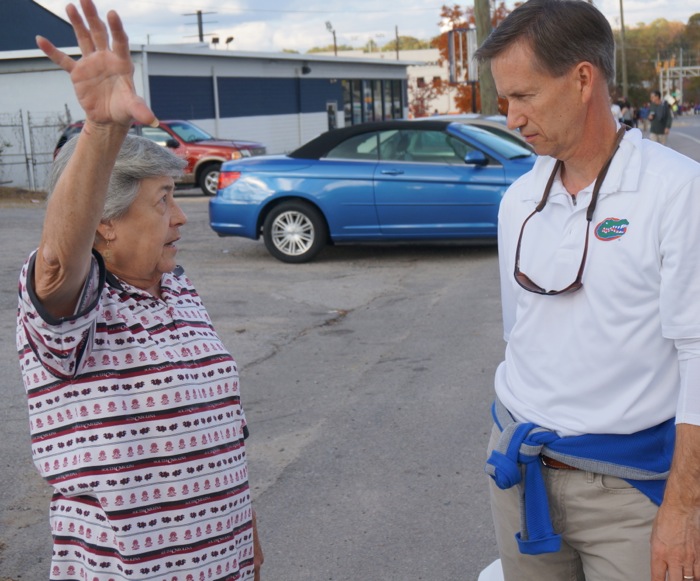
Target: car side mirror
172 144
476 157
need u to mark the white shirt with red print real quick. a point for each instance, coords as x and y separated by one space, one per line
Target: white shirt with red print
137 424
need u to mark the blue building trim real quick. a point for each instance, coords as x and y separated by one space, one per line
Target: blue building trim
315 93
182 97
249 96
176 97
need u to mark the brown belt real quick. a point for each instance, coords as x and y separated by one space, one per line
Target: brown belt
556 464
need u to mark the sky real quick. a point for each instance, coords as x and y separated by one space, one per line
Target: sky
276 25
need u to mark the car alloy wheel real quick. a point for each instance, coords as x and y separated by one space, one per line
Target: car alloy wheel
209 179
294 232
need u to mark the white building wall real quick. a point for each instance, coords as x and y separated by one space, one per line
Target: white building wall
280 133
31 83
46 91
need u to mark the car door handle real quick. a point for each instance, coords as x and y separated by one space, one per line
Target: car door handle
392 172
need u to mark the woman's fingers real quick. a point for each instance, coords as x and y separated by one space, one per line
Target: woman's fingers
142 112
120 40
98 29
82 34
57 56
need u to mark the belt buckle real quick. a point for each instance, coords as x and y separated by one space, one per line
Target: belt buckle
553 464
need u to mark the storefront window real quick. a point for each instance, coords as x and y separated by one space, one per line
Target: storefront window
347 102
371 100
356 102
386 98
377 97
397 100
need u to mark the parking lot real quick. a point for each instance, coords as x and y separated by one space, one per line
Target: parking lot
366 378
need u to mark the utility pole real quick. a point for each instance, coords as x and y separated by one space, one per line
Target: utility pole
330 29
623 54
200 23
482 15
396 32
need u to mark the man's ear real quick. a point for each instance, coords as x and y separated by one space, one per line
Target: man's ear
585 73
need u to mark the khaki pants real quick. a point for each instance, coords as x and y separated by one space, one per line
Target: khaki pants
604 522
658 137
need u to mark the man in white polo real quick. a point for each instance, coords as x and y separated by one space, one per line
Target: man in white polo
599 250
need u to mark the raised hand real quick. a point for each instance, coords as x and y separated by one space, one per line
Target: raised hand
103 76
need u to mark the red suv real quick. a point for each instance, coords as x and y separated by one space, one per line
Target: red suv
204 154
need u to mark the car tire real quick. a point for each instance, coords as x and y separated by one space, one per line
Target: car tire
295 232
209 179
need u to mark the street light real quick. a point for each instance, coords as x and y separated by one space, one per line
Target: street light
229 40
330 29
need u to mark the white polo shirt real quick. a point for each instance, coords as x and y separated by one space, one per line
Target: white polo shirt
605 359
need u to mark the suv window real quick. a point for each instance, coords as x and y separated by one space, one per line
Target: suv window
156 134
190 133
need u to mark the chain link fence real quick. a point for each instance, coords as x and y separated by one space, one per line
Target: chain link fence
27 141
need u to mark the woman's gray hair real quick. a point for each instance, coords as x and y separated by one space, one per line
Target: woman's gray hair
138 159
562 33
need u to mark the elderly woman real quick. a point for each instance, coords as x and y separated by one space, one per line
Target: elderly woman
134 403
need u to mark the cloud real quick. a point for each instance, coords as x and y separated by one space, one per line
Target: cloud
274 25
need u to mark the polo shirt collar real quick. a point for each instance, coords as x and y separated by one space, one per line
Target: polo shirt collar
624 173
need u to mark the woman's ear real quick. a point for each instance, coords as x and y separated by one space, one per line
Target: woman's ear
105 231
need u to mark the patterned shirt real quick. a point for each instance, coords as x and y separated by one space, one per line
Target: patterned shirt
136 423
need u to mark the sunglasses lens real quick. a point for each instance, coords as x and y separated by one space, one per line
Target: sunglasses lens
527 283
524 281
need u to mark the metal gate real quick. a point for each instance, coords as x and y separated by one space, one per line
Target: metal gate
27 141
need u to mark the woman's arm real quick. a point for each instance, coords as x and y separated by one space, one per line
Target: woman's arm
103 83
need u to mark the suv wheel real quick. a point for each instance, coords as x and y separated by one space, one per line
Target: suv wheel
209 179
295 232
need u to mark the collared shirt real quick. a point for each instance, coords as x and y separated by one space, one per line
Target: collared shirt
608 358
136 423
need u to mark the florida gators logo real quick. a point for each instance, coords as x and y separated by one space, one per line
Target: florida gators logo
611 229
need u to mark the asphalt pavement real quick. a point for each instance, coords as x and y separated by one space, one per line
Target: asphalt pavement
366 378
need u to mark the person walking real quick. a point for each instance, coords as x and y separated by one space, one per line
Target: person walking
644 118
599 282
660 118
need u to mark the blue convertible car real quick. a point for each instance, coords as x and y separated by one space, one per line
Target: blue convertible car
383 181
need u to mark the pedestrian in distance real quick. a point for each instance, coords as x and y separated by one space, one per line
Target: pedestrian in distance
600 278
134 403
660 118
644 118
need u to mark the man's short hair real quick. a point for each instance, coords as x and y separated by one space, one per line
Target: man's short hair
561 33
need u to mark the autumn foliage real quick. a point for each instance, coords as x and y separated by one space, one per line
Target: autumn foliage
647 47
452 18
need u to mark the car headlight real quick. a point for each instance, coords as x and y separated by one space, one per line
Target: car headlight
245 152
236 155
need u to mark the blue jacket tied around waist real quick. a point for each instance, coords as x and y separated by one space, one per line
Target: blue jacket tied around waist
643 459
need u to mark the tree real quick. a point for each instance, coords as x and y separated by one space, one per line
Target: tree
647 44
330 48
406 43
454 17
692 33
421 97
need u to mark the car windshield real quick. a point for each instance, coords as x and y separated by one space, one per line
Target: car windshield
189 133
505 148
